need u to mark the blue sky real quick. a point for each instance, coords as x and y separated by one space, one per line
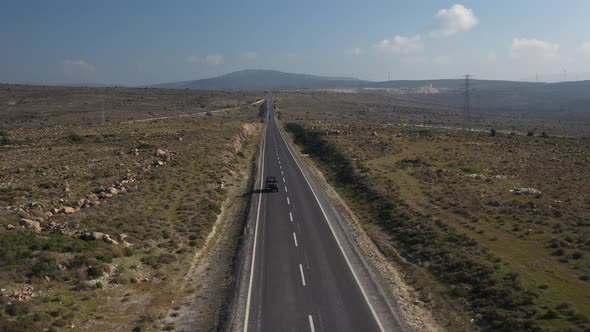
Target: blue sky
141 42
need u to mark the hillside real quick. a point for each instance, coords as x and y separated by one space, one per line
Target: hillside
252 79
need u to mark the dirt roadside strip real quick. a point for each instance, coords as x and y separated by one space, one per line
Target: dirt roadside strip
401 299
210 277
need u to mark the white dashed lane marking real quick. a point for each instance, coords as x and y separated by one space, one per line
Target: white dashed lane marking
311 326
302 276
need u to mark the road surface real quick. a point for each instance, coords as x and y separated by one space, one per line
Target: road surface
303 273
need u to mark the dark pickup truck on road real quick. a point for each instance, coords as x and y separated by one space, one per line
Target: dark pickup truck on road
271 184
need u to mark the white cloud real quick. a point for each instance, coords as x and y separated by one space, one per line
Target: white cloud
402 45
534 50
355 51
192 59
214 59
585 48
492 56
250 55
450 21
78 68
442 60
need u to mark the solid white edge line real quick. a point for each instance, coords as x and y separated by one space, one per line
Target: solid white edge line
302 275
335 237
246 319
291 216
311 326
295 239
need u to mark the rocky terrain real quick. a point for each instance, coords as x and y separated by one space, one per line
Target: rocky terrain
390 106
100 221
490 227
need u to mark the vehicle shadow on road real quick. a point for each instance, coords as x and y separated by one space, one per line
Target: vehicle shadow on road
255 192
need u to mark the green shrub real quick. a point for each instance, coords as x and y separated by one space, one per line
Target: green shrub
472 170
95 271
105 258
5 140
145 146
73 137
18 308
214 207
44 266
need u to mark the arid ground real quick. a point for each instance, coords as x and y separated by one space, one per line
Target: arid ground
490 226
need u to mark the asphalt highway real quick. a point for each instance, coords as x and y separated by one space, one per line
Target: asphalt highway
300 277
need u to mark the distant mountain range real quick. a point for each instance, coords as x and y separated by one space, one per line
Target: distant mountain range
486 94
252 79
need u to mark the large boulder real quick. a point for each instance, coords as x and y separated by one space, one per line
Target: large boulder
109 240
161 153
68 210
30 224
92 197
92 236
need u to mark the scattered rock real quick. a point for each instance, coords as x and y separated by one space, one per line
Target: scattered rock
54 211
525 191
48 214
30 224
163 154
68 210
109 240
21 294
92 236
10 227
92 197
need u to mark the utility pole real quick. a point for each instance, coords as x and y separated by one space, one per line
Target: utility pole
467 103
102 119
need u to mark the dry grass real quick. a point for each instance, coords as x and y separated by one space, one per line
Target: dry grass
166 214
439 195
